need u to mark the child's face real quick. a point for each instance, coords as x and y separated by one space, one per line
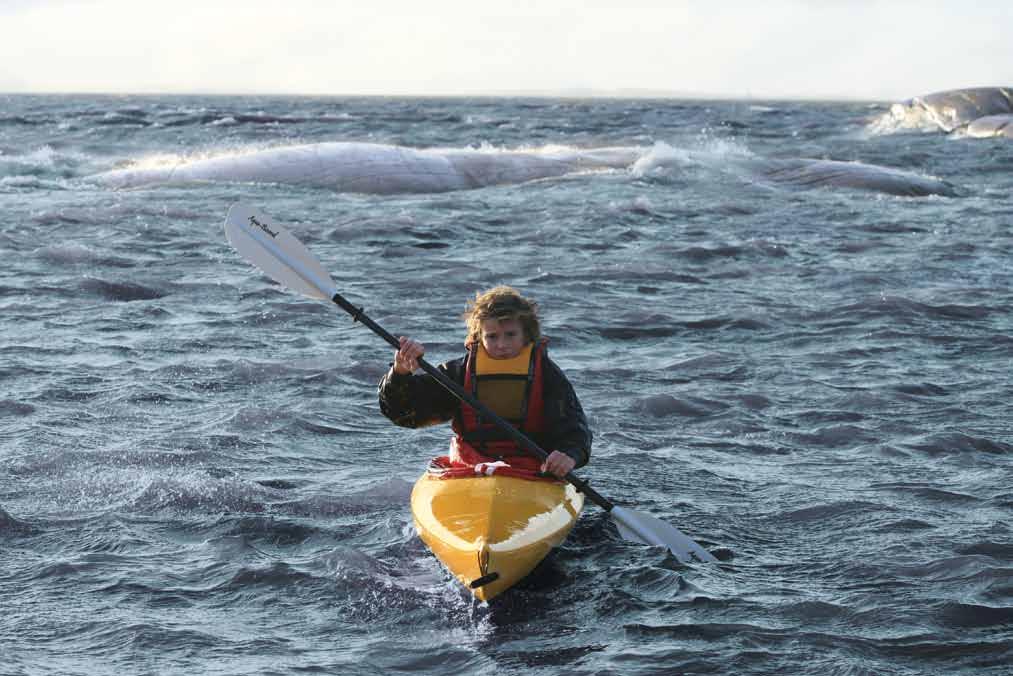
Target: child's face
503 338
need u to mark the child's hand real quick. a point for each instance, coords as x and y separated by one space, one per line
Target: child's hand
558 464
406 359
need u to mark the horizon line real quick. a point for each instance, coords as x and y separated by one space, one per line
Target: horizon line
634 93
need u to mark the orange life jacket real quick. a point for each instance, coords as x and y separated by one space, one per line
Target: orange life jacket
513 390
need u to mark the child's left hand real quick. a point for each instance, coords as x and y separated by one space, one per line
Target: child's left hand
558 464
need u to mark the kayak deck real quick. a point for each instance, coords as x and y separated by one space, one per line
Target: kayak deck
491 531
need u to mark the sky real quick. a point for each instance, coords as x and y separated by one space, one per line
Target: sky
770 49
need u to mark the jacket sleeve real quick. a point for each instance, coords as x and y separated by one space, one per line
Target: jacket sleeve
566 423
418 400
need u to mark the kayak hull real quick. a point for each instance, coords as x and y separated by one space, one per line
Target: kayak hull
491 531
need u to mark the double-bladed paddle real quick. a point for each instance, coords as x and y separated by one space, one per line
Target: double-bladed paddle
286 260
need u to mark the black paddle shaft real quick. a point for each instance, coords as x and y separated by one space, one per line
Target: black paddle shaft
359 316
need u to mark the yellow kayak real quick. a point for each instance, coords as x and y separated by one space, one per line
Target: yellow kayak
491 531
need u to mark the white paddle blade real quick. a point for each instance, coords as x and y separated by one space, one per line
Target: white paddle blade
277 253
649 530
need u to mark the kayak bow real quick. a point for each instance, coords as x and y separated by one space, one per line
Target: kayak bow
491 531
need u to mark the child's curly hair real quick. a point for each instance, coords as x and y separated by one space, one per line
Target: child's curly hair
501 302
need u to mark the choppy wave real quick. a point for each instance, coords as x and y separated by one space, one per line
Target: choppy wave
15 408
75 254
11 526
120 291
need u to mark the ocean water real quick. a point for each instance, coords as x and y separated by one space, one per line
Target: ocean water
810 379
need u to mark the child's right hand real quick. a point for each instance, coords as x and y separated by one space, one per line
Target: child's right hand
406 359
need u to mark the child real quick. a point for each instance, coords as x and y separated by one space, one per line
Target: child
507 369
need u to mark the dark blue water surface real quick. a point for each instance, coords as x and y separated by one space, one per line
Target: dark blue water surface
812 381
